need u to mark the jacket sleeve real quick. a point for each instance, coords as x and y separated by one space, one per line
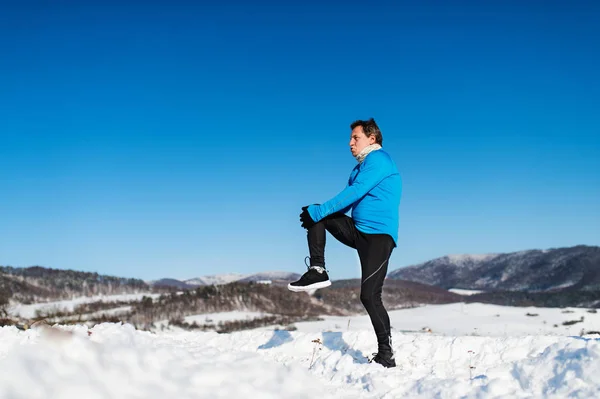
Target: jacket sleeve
370 175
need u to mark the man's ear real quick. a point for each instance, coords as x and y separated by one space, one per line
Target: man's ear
372 139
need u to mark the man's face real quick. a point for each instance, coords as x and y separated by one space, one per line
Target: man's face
358 140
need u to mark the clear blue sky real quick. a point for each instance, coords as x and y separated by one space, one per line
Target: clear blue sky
178 139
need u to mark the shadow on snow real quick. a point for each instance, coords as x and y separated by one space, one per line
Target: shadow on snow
334 341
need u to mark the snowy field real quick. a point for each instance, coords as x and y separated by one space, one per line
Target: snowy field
212 319
224 317
29 311
472 351
459 319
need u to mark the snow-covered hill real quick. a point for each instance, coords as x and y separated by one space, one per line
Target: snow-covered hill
217 279
576 268
226 278
272 276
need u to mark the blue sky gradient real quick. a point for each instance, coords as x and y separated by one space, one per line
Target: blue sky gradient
180 139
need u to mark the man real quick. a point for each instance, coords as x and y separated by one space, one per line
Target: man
373 194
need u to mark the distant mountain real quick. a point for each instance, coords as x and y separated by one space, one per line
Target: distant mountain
275 277
171 283
571 269
13 286
192 283
554 277
218 279
30 284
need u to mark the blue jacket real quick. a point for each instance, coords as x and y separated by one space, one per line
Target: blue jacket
373 193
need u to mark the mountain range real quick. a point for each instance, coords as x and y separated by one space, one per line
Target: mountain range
274 277
30 284
572 268
552 277
557 269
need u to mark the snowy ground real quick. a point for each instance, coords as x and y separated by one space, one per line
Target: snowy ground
29 311
324 359
458 319
212 319
215 318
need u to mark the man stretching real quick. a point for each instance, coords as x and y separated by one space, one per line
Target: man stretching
373 194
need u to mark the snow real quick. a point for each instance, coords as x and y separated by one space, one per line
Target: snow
459 319
211 319
271 275
275 275
217 279
461 291
460 259
215 318
566 284
474 351
108 312
29 311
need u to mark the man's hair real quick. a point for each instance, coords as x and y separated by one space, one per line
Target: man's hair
370 128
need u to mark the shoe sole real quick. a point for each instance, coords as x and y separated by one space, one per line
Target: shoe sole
314 286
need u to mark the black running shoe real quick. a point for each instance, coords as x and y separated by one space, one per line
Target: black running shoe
315 277
386 359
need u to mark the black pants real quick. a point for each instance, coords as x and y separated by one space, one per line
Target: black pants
374 251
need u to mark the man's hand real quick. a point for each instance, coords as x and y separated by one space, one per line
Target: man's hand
305 219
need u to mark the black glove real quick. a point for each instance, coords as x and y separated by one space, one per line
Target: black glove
305 219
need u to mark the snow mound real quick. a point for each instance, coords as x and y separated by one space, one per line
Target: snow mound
117 361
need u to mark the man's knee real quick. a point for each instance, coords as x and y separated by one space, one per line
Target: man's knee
333 219
366 299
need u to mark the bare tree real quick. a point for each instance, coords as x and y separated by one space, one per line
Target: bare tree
3 304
